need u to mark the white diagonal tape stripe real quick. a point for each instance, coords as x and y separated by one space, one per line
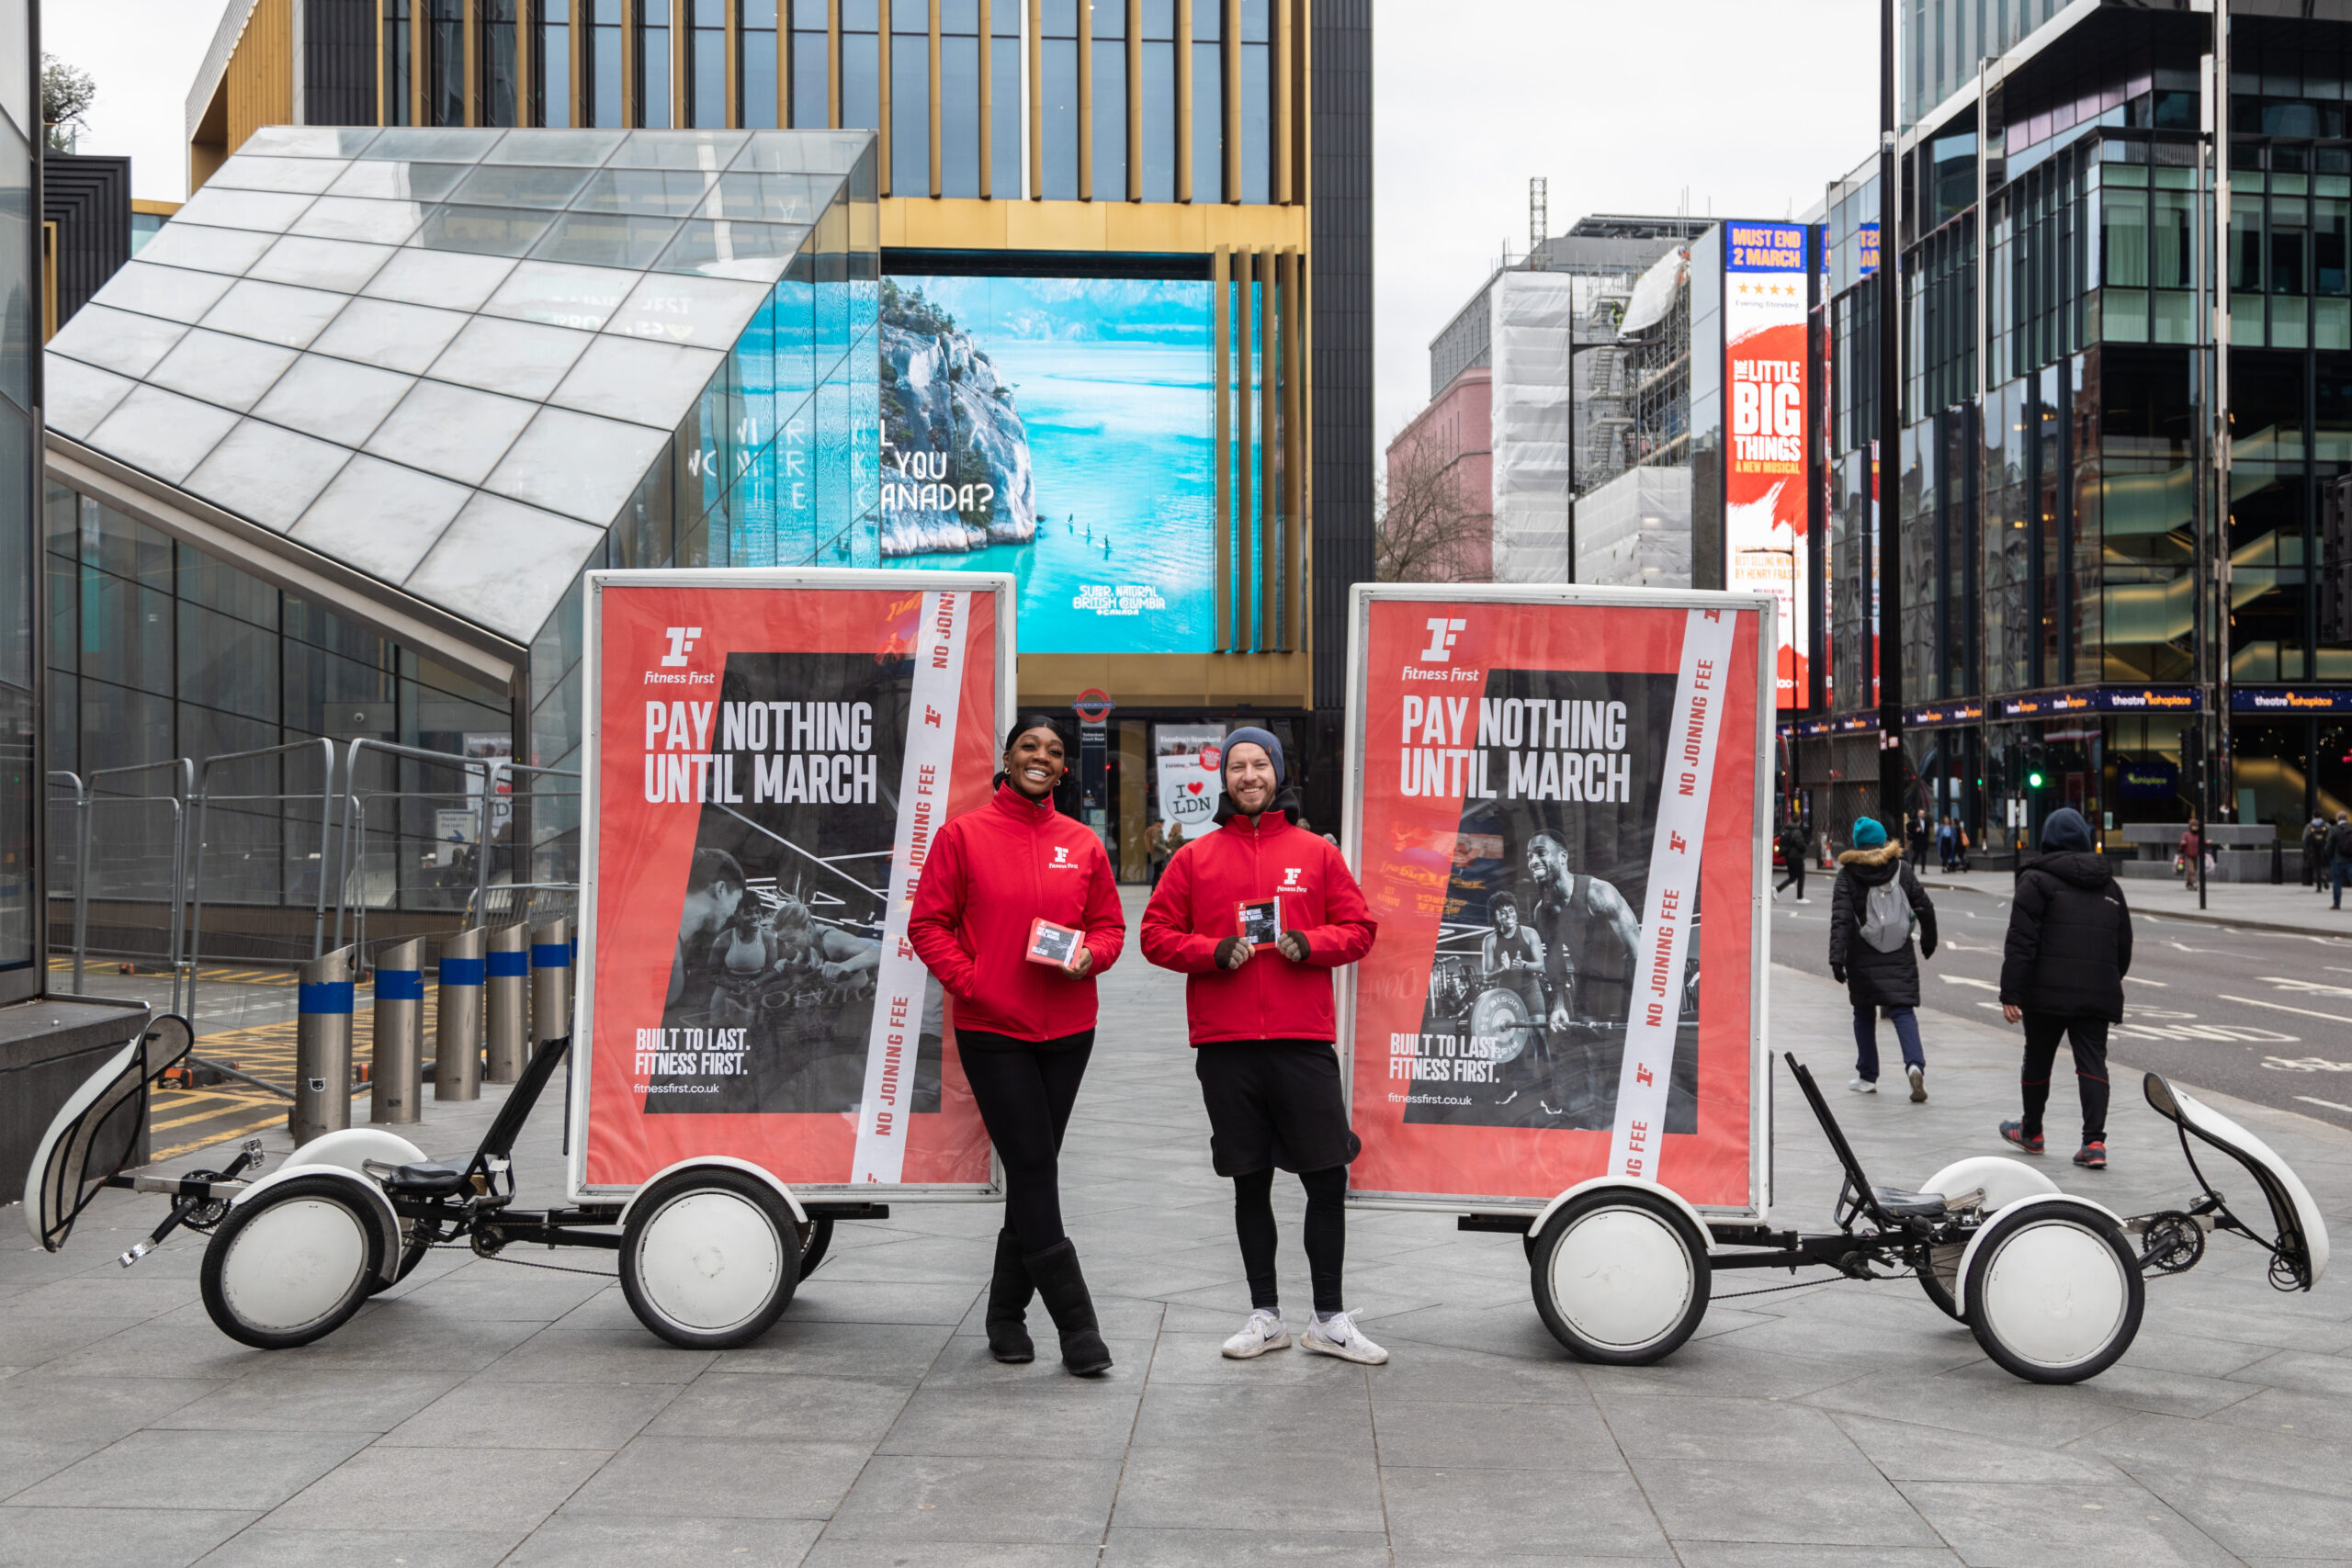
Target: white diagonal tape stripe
899 978
1654 1015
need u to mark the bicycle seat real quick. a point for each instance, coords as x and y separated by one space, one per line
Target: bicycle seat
425 1178
1909 1206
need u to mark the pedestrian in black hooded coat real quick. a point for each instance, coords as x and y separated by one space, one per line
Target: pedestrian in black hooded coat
1875 979
2061 975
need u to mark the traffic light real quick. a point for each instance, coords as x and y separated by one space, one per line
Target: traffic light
2034 763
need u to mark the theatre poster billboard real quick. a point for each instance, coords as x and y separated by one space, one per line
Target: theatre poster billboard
1552 793
767 755
1768 415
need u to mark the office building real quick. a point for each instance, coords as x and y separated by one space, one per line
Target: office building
1539 396
48 1044
1124 326
2053 491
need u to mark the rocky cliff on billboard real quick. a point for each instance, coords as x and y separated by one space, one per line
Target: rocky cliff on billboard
956 466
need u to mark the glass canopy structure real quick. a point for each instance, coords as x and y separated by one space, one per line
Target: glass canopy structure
470 363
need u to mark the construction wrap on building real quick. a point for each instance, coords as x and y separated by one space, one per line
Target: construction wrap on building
1634 531
1534 312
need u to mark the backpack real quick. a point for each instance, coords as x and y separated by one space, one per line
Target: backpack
1886 915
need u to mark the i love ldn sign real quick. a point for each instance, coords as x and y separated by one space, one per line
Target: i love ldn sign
1189 764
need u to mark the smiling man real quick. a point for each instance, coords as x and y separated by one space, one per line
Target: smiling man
1258 914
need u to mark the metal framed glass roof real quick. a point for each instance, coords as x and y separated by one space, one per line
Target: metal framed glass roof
454 359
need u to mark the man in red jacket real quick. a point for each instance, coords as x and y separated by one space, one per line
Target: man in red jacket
1258 914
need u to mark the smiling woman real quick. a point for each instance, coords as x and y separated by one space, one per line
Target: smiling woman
1016 914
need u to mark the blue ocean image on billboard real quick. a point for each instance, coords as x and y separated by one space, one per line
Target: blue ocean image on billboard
1058 429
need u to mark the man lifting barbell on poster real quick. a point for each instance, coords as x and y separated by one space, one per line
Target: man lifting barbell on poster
1589 939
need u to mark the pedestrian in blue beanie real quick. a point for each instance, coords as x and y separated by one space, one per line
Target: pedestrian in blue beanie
1872 912
2062 975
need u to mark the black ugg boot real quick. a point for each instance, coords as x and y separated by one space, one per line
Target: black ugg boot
1063 1289
1009 1292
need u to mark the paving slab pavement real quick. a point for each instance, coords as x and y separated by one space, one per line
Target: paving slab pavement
486 1411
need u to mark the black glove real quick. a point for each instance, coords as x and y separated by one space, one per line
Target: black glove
1232 953
1293 946
1838 973
1928 947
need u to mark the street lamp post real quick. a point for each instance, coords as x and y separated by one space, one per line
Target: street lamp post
1890 439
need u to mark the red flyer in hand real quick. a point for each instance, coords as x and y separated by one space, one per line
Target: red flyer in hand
1050 943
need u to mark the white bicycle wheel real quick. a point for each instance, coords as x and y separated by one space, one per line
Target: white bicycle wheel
709 1259
2053 1292
1620 1277
292 1265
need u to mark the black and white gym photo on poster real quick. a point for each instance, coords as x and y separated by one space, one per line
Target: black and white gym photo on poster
770 998
1534 974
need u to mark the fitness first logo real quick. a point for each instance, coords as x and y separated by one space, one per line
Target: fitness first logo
1290 880
1061 859
1443 631
673 671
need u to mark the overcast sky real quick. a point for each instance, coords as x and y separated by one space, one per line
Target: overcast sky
1747 107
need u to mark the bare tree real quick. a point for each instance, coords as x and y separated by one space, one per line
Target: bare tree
1426 526
66 93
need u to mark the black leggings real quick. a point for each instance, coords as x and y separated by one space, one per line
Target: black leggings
1326 1231
1025 1089
2088 1036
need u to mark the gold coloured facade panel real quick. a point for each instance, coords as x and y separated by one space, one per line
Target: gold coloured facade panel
1169 679
257 88
1159 227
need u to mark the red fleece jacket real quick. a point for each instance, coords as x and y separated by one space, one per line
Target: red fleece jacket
1196 907
990 873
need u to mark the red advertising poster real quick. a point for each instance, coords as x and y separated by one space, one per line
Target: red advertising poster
1766 420
1553 794
768 754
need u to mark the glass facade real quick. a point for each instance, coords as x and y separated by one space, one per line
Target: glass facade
1150 117
158 650
2047 497
22 943
473 365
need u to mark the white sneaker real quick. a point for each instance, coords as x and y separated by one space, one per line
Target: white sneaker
1918 1085
1265 1331
1338 1336
1863 1085
1804 901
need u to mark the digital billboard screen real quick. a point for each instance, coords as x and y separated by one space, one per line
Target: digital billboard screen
1061 429
1766 385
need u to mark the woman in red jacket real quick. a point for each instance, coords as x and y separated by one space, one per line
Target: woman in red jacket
1024 1027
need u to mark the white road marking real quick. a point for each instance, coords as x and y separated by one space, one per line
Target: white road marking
2284 984
2143 980
2312 1099
2281 1006
1964 980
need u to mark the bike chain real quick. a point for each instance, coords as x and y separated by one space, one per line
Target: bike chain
525 1262
1775 1289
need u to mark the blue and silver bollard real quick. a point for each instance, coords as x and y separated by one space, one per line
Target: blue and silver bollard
398 1076
551 981
457 1049
322 1046
505 971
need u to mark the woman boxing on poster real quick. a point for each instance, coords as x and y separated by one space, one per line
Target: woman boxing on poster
1025 1024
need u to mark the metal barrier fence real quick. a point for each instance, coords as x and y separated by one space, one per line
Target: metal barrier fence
121 858
434 850
251 838
498 849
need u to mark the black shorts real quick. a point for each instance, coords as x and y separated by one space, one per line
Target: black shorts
1273 1102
